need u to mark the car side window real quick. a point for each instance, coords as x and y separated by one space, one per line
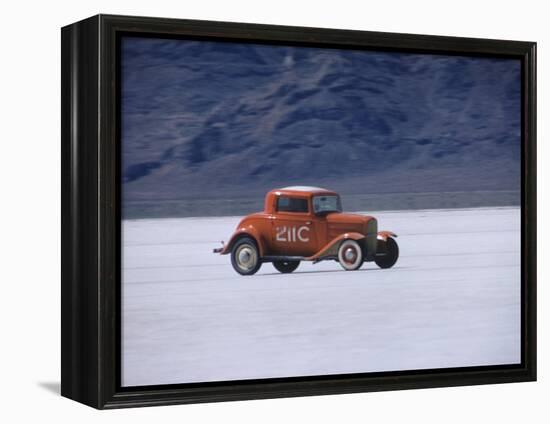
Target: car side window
291 204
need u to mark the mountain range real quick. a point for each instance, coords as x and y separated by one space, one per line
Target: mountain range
223 120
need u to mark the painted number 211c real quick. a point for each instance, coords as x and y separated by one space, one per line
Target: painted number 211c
292 234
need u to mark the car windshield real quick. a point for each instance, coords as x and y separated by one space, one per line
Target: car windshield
326 204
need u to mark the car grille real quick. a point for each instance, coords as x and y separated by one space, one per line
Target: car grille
371 233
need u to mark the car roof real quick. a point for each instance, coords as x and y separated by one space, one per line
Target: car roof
296 190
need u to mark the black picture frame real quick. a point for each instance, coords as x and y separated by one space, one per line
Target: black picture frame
90 182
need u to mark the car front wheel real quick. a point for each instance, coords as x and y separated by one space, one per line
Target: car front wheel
390 253
350 255
245 256
286 267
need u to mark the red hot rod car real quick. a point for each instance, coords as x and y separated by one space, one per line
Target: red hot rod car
307 224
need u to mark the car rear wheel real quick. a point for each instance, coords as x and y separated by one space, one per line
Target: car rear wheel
245 256
350 255
389 258
286 267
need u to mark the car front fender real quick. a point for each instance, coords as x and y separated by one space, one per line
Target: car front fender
331 248
384 235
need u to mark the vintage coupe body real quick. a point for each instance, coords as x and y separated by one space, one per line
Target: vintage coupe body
307 224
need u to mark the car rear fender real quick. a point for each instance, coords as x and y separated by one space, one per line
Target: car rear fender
331 248
246 231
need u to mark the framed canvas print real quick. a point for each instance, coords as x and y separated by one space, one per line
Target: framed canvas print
255 211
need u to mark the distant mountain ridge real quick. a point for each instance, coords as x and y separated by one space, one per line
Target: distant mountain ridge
218 120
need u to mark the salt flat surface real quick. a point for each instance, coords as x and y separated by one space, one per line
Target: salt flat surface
452 300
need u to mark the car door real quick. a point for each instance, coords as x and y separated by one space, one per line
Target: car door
293 228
